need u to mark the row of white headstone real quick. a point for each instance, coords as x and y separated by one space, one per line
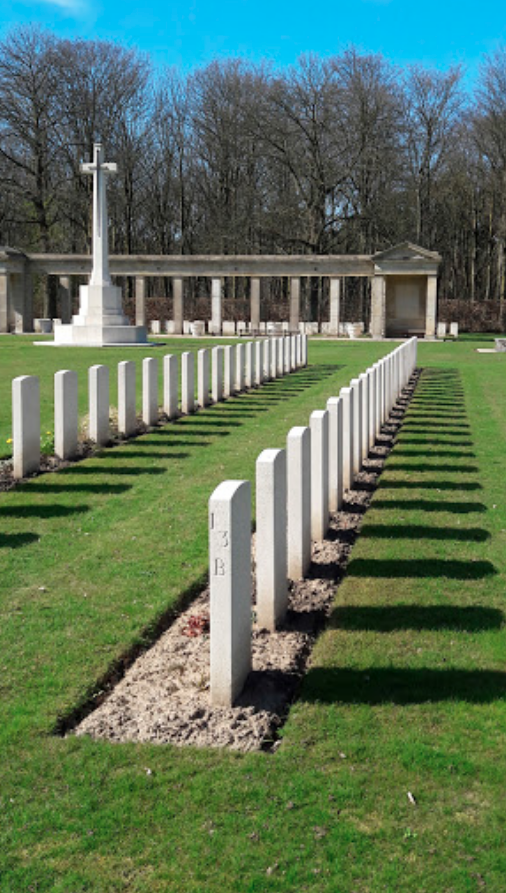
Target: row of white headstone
296 490
221 372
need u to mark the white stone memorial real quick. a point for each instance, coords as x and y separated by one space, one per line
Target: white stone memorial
298 474
98 384
230 585
127 416
65 414
100 321
149 391
229 371
335 411
217 375
170 386
319 425
271 557
25 425
187 383
203 378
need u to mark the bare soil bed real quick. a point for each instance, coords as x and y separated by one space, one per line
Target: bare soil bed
164 695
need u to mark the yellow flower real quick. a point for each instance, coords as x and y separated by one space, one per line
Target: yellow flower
49 432
9 440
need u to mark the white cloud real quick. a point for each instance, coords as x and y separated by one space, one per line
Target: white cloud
73 7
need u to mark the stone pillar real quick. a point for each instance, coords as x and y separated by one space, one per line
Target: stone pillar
140 301
187 383
431 307
149 391
65 299
217 375
294 304
203 377
271 561
65 414
319 425
18 302
216 306
4 302
127 416
25 425
170 386
335 300
378 306
255 305
177 305
230 585
98 383
298 474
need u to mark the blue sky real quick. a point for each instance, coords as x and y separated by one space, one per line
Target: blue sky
189 33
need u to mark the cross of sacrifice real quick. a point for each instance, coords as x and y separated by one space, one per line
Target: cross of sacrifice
98 167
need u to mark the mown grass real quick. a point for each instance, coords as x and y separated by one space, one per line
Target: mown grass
406 691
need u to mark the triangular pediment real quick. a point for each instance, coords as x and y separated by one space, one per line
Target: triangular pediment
406 251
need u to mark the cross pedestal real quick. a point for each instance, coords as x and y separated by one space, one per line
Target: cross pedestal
100 321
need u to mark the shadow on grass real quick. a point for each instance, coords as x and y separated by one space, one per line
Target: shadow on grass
17 540
452 454
427 505
393 465
49 487
419 532
378 685
429 440
133 471
53 510
423 568
416 617
429 485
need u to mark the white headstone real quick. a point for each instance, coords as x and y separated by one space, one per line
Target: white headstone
230 585
335 411
127 417
298 470
229 371
239 367
149 391
259 362
217 382
65 414
187 383
203 377
347 396
25 425
170 386
98 383
319 424
271 557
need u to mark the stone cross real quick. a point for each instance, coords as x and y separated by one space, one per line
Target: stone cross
99 168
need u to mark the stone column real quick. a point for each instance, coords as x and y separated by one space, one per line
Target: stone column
431 307
294 304
216 307
65 299
335 296
177 305
4 302
17 296
378 306
255 305
140 301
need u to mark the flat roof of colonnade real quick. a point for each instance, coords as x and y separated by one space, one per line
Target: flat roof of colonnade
404 259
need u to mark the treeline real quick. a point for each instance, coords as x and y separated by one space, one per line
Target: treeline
346 154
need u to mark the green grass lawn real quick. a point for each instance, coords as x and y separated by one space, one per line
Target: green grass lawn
406 692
